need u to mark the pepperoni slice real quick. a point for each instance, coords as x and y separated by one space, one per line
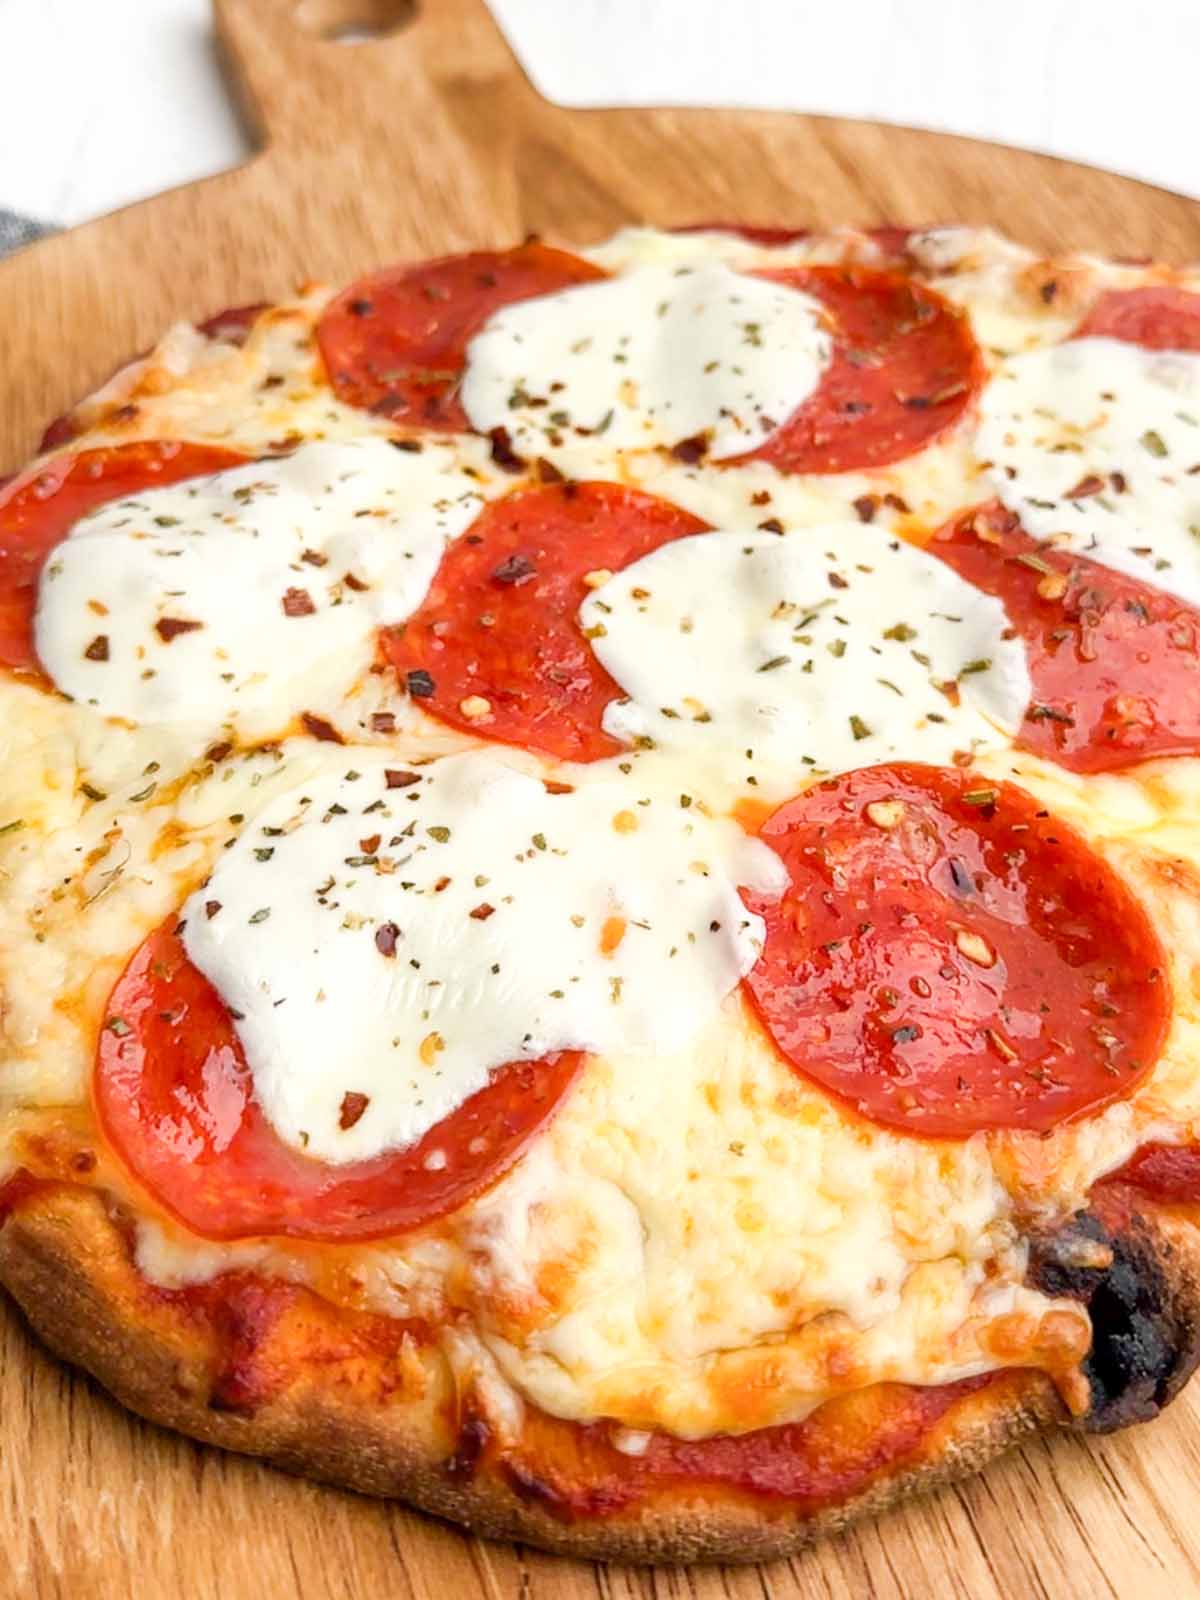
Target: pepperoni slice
892 241
748 231
905 367
39 508
499 623
232 326
174 1095
396 343
1158 317
949 958
1115 662
1169 1173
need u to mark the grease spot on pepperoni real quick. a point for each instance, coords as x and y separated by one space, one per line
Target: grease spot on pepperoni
395 343
870 981
1115 662
499 621
175 1097
905 368
40 507
1157 316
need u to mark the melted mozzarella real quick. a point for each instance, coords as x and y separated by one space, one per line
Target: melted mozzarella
1096 444
205 600
784 659
660 354
402 941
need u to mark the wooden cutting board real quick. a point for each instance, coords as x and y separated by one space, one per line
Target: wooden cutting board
430 140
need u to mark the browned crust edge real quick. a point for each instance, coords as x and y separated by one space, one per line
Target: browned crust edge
62 1258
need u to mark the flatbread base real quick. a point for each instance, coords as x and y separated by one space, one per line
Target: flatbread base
67 1262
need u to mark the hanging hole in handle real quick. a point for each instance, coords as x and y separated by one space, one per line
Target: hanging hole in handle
355 21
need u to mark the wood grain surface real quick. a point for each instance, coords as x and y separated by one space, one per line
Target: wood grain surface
424 141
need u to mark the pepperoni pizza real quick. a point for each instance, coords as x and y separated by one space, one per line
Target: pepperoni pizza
601 888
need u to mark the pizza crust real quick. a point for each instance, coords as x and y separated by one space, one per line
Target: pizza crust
65 1260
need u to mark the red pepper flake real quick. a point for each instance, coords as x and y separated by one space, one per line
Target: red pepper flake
895 503
354 583
320 728
386 935
689 451
771 525
383 722
552 786
98 649
547 472
866 506
168 628
396 778
314 558
370 844
1089 485
482 911
298 603
514 569
951 690
441 884
836 581
503 454
211 907
353 1106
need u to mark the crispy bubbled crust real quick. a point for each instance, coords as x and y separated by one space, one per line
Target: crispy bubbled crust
66 1262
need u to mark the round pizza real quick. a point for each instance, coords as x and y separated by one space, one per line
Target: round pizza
600 911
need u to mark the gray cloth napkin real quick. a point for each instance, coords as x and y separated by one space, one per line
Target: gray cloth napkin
16 231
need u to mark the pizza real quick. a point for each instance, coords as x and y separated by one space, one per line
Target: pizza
600 925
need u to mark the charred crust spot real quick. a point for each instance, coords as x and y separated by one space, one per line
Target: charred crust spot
1145 1332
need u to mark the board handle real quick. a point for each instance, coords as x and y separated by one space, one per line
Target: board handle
314 72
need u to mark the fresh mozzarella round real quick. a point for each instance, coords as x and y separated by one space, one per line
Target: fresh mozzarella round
400 933
1096 444
784 659
656 356
209 599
